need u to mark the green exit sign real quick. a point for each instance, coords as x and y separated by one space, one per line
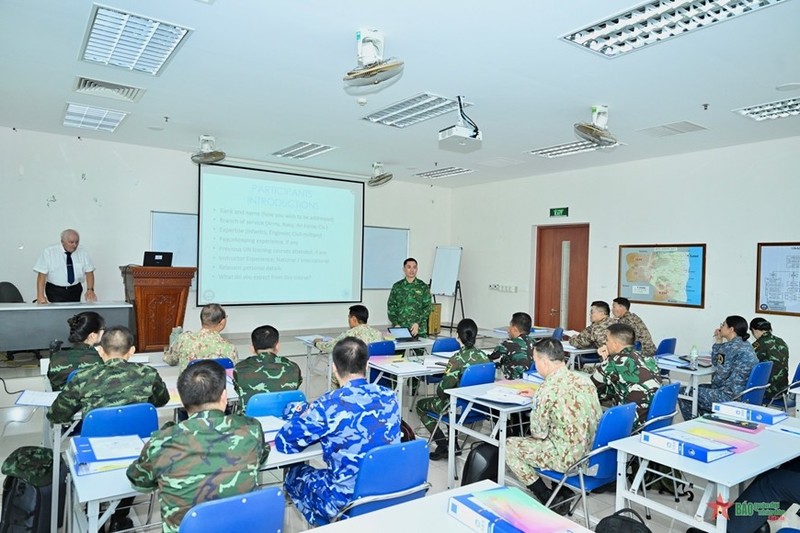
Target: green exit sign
559 211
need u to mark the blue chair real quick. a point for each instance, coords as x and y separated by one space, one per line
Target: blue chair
558 333
637 346
226 363
783 399
272 403
381 348
389 475
587 359
616 423
134 419
666 347
444 344
72 375
757 384
261 510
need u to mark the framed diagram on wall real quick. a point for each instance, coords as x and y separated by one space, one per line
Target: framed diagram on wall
664 274
778 278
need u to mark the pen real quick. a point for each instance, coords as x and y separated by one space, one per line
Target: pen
790 431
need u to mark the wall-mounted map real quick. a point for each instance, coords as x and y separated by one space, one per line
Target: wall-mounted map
668 274
778 278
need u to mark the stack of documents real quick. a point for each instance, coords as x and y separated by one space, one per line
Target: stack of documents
687 444
532 376
671 360
99 454
748 412
505 395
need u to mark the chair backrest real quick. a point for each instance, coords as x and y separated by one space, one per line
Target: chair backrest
667 346
637 346
757 383
134 419
9 293
381 348
477 375
388 470
72 374
663 407
616 423
261 510
272 403
226 362
445 344
558 333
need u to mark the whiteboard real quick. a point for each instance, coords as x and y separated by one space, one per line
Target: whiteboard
445 270
176 233
385 249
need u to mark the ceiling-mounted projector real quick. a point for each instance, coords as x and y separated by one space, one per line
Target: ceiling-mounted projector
464 136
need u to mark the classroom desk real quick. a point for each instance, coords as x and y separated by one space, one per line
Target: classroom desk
536 333
573 352
392 366
497 435
28 326
695 376
773 449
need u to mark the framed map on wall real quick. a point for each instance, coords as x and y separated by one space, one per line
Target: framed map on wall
778 278
664 274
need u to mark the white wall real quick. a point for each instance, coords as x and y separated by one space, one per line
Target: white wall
729 198
107 190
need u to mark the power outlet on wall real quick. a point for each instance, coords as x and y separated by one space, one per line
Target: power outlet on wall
503 288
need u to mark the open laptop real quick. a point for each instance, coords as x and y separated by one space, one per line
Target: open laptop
157 259
402 335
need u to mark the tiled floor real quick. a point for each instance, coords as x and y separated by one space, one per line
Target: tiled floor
21 426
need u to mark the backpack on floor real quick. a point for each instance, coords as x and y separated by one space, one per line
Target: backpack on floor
27 491
619 523
481 463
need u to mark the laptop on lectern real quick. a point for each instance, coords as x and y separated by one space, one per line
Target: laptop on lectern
157 259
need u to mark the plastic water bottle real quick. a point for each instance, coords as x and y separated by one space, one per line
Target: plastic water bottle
693 358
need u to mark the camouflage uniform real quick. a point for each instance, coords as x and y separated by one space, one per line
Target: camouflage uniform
410 303
563 422
768 347
733 361
515 355
594 336
628 377
265 372
115 382
360 331
642 333
33 464
460 361
203 344
348 422
206 457
65 361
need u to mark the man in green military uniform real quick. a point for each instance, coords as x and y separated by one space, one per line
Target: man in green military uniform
265 371
410 302
620 308
204 344
206 457
357 322
625 375
515 355
769 347
113 382
594 335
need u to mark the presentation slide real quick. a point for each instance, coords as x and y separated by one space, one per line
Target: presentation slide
278 238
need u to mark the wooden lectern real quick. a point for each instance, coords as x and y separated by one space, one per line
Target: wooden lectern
158 295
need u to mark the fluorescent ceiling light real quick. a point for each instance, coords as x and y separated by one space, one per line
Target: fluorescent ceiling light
560 150
656 21
303 150
414 110
444 172
129 41
772 110
93 118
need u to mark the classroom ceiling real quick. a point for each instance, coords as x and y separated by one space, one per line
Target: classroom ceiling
262 75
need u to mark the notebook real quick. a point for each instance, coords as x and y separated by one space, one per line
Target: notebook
157 259
402 335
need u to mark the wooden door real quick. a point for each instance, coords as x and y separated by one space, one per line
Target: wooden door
549 251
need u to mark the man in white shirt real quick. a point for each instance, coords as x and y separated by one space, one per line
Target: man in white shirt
61 270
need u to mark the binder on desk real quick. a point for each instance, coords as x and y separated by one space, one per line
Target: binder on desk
688 445
748 412
99 454
532 376
505 395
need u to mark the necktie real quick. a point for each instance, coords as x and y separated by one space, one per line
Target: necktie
70 269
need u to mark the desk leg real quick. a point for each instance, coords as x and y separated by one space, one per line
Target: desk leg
571 361
695 393
451 445
399 390
622 466
723 495
501 452
93 509
308 370
56 434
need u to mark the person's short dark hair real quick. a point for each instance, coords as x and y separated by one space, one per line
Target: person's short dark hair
623 333
202 382
550 348
522 321
117 340
739 325
624 302
602 306
212 314
758 323
408 259
84 324
467 331
264 338
360 313
350 356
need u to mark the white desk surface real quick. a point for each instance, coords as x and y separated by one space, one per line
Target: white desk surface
570 349
78 306
154 359
277 459
412 345
773 449
394 365
471 395
428 513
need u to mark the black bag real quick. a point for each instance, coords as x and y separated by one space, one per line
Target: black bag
27 496
481 464
618 523
406 433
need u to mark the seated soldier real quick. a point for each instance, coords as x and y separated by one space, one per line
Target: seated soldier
204 344
621 309
265 371
85 330
209 456
347 422
594 335
516 354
